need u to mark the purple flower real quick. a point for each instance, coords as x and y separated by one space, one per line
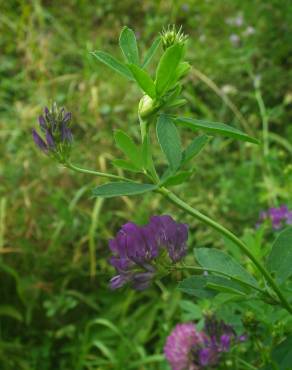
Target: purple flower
54 124
219 337
187 349
135 249
278 216
179 346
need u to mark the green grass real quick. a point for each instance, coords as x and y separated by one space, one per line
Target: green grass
56 311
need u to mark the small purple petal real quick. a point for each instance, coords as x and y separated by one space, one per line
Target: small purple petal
141 281
242 338
50 140
117 282
225 342
46 110
204 356
66 134
39 141
42 123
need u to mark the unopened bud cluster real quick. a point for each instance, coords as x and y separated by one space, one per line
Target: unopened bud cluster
170 36
56 137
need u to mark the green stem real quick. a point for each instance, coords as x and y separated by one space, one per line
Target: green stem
265 119
228 234
143 128
96 173
145 139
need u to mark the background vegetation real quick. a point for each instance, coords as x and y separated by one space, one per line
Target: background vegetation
56 311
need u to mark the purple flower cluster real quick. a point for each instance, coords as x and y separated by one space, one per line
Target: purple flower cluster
188 349
277 216
54 125
137 248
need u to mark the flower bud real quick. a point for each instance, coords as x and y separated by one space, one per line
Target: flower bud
57 136
171 36
147 106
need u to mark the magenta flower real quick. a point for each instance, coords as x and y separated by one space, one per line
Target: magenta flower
179 346
188 349
137 248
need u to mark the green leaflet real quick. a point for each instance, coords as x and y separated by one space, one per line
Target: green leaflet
129 47
214 128
166 69
151 51
208 286
194 148
144 80
113 63
280 260
129 148
214 259
177 179
169 140
125 165
115 189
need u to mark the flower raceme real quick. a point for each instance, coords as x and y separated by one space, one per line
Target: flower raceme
54 124
139 252
188 349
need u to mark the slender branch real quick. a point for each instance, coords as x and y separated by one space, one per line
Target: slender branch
96 173
228 234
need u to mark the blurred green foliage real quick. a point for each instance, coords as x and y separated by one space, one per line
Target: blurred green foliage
56 311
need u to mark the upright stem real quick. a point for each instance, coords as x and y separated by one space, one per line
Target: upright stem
265 119
143 128
222 230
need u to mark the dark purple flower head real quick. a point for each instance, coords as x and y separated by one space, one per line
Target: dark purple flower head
278 216
54 124
188 349
135 249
